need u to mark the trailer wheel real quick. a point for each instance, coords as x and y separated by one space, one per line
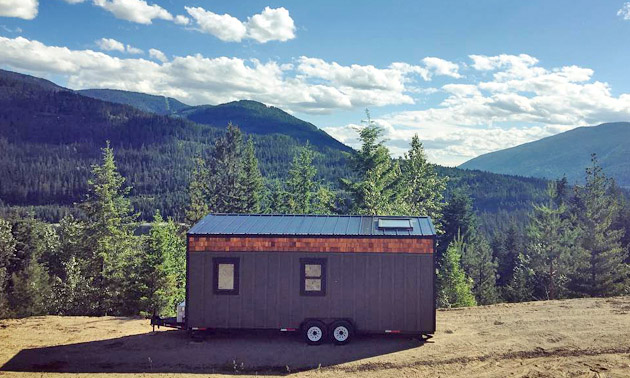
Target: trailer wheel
341 332
314 332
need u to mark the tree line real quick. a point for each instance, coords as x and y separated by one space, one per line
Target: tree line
92 263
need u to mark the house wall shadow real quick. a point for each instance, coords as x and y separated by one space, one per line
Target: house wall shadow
260 352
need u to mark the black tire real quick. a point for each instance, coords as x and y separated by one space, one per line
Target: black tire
341 332
314 332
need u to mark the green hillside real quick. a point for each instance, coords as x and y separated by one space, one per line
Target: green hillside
50 136
567 154
257 118
145 102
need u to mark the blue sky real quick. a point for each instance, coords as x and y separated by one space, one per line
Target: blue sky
469 76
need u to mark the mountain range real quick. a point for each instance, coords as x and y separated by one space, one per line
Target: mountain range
566 154
251 116
50 136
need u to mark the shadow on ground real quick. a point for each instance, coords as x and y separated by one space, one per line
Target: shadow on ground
174 352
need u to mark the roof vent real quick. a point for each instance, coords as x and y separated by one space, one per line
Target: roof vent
395 224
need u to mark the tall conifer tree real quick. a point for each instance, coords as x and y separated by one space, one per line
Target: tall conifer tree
601 268
423 187
551 239
377 189
110 244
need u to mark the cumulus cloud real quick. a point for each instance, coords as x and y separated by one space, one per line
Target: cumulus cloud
442 67
521 102
515 101
157 54
110 44
307 85
26 9
181 20
224 27
269 25
624 12
133 50
138 11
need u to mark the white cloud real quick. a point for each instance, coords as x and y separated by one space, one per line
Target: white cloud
133 50
224 27
181 20
269 25
26 9
157 54
109 44
521 102
134 10
516 101
310 85
624 12
442 67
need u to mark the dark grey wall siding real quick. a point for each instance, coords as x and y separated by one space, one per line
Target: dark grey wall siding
378 291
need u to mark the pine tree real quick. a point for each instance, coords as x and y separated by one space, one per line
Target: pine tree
32 291
301 186
72 292
423 187
252 180
278 199
457 219
377 189
551 238
520 288
162 269
506 255
600 264
324 201
197 192
110 244
7 250
479 265
455 288
226 187
29 287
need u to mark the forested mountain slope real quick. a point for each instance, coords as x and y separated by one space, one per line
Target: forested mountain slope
257 118
567 154
50 136
145 102
251 116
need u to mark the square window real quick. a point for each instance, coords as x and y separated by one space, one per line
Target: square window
313 277
312 270
225 275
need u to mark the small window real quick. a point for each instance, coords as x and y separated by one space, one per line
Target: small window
395 224
226 271
313 277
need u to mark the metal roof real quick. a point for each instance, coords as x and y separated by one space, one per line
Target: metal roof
312 225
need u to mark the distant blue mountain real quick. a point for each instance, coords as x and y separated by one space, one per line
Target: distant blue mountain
567 154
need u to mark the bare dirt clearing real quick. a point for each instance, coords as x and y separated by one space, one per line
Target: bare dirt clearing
570 338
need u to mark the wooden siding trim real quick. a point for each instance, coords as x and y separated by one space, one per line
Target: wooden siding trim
309 244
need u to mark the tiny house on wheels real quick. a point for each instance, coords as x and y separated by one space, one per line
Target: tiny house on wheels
327 277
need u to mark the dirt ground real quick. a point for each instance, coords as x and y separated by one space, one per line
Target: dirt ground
570 338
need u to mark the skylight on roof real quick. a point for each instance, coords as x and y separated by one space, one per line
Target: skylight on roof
395 224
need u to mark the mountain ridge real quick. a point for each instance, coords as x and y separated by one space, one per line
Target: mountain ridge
565 154
251 116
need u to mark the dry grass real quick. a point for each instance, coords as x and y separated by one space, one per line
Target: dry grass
571 338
